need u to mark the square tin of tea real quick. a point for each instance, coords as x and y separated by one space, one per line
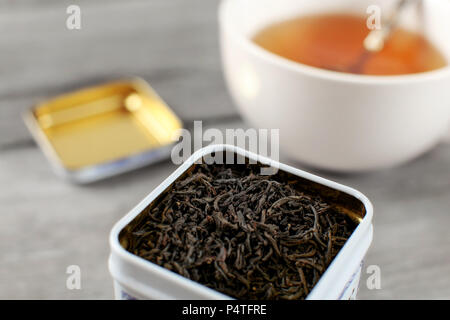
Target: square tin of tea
104 130
137 278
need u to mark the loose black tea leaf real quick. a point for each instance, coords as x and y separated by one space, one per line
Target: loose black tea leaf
246 235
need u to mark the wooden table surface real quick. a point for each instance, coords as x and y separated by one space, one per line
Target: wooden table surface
48 224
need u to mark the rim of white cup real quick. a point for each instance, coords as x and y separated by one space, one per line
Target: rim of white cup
295 66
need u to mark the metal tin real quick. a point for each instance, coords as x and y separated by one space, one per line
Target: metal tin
137 278
104 130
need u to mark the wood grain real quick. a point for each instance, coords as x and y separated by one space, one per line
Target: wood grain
48 224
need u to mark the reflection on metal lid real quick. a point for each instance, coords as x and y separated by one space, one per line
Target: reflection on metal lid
104 124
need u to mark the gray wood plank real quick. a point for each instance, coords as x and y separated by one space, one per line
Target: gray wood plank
48 224
172 44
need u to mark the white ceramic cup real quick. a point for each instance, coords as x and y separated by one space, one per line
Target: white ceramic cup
332 120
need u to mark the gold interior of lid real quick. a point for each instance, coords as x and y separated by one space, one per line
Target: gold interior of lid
106 123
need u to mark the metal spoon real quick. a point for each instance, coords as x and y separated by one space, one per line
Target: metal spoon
375 40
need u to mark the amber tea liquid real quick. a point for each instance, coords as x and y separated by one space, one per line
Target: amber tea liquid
335 42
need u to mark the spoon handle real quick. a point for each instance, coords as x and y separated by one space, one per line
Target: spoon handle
375 40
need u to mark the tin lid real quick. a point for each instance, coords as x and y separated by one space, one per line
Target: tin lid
104 125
